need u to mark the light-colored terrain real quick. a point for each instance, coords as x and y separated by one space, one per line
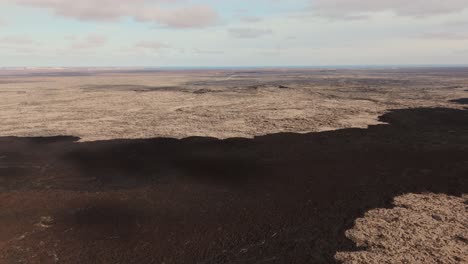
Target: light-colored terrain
422 228
222 104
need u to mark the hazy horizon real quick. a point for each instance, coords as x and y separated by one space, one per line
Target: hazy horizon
357 66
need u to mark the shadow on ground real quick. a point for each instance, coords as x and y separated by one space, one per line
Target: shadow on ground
460 101
280 198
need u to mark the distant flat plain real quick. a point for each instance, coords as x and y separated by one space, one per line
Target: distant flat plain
107 104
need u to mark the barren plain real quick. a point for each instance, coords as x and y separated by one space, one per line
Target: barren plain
222 104
234 166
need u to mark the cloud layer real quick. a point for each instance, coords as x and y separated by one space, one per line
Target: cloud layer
249 32
228 32
150 45
361 8
168 13
90 42
17 40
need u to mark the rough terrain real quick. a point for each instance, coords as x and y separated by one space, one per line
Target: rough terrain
98 105
269 197
422 228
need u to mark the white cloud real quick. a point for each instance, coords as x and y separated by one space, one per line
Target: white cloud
207 52
17 41
90 42
19 44
249 32
151 45
444 35
361 8
250 19
182 15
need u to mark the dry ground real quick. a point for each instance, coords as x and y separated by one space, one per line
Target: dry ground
221 104
422 228
163 196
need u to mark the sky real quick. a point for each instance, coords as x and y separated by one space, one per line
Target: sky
171 33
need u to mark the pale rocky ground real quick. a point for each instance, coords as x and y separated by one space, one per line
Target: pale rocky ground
222 104
421 228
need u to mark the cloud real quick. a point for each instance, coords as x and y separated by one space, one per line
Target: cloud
250 19
461 52
457 24
355 9
19 44
249 32
90 42
70 37
151 45
207 52
445 35
18 41
181 16
186 17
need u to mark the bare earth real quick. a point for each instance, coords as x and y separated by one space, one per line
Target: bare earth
234 166
221 104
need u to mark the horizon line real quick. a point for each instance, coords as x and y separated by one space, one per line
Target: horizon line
341 66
